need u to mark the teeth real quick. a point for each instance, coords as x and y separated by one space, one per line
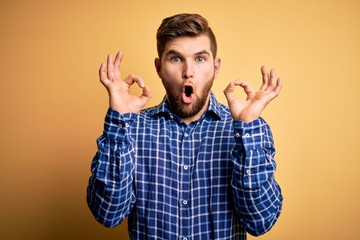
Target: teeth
188 91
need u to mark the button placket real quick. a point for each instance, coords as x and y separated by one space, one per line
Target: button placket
184 201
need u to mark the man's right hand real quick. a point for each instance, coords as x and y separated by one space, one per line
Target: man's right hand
120 98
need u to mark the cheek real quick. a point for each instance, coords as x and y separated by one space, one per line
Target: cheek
171 76
206 70
207 74
170 83
205 81
171 72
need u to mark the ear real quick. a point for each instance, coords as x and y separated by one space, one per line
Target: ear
157 63
217 63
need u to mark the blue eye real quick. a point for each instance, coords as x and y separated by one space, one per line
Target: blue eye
175 59
200 59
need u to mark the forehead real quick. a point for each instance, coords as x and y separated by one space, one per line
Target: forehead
188 45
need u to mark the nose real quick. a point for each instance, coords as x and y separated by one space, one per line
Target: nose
188 70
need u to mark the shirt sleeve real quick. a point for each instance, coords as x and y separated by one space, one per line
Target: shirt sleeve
257 196
110 194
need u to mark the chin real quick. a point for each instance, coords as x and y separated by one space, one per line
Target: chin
189 110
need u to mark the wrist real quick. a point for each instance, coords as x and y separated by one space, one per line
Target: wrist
247 118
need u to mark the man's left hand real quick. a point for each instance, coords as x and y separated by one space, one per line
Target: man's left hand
250 109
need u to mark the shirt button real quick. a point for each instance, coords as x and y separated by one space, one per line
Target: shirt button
186 135
120 125
247 135
185 202
248 172
185 238
237 134
186 167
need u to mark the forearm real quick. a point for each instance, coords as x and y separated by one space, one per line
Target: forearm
258 198
110 194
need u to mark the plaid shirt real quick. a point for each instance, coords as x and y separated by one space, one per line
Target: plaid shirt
211 179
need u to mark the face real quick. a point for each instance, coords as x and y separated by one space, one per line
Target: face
187 69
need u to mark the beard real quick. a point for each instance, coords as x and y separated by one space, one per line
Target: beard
183 110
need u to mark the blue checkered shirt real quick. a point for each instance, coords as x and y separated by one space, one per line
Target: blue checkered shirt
211 179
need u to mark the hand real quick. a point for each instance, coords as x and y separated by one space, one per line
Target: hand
120 97
250 109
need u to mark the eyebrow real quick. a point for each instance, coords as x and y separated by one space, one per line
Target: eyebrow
174 52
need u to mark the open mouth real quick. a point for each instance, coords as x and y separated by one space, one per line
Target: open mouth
188 94
188 91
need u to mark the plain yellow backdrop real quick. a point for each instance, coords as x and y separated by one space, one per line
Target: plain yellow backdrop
53 105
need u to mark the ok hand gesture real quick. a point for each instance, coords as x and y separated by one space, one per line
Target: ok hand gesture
251 108
120 98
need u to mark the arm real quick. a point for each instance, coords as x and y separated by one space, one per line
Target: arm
110 194
258 198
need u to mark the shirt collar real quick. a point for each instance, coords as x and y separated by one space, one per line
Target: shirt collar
213 109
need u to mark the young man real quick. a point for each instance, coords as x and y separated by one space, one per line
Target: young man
189 168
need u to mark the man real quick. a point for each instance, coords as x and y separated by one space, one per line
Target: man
189 168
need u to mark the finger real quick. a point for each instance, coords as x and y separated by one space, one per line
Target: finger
131 79
272 81
265 78
229 91
102 74
278 87
247 88
110 67
117 63
275 92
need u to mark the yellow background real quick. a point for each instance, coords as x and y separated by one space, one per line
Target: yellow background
53 106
